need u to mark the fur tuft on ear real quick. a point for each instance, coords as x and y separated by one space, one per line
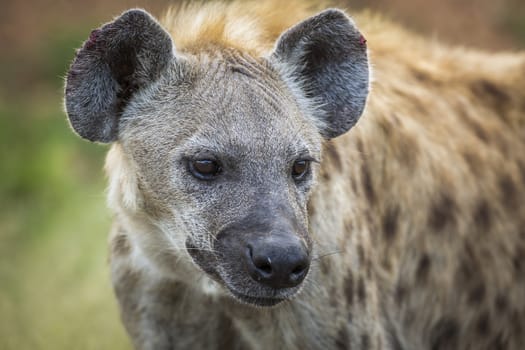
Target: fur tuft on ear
116 61
326 56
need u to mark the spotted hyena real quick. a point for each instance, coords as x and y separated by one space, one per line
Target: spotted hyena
248 216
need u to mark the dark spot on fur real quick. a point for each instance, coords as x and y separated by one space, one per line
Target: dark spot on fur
516 320
404 145
492 94
390 222
393 339
476 295
367 184
420 107
473 161
360 147
386 264
349 288
325 174
361 290
128 280
467 267
333 155
228 337
365 341
334 298
498 343
483 324
342 342
121 245
518 262
325 265
422 77
442 212
385 126
444 335
360 254
501 303
353 183
409 317
407 150
400 294
241 69
423 268
508 192
464 273
478 129
369 268
170 292
521 166
483 216
349 227
501 142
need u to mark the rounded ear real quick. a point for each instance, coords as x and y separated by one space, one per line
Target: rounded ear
117 60
326 56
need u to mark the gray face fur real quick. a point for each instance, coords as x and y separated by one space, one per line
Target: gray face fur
254 117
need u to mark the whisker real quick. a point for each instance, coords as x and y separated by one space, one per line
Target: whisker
317 258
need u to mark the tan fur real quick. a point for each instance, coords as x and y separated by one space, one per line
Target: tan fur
420 208
250 27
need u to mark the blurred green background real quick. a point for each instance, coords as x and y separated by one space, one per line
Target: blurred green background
54 279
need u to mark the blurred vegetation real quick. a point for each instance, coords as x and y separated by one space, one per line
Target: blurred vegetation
54 280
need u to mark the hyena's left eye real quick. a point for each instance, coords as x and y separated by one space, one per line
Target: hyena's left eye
204 169
300 169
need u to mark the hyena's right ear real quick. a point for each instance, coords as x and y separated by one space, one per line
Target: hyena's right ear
326 57
117 60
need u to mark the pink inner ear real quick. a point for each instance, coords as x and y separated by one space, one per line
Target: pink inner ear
362 39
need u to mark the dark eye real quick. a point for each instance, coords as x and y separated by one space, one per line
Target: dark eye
300 169
204 169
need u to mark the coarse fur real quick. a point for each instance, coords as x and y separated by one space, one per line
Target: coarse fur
413 220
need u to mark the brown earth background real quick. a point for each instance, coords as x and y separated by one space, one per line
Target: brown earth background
54 283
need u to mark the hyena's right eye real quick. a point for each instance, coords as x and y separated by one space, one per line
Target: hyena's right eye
204 169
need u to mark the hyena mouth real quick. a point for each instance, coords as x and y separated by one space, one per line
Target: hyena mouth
270 297
256 301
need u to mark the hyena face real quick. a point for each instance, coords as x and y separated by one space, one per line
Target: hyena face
224 157
223 146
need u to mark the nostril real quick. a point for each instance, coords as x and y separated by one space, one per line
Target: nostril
298 270
263 264
265 267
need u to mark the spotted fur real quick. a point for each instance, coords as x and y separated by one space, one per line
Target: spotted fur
414 217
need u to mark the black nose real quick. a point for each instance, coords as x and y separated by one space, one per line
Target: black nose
277 261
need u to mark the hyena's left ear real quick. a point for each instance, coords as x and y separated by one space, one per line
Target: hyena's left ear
326 57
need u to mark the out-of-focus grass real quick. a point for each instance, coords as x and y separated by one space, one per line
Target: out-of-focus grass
54 279
514 21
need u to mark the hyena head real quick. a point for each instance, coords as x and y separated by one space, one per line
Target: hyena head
220 148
